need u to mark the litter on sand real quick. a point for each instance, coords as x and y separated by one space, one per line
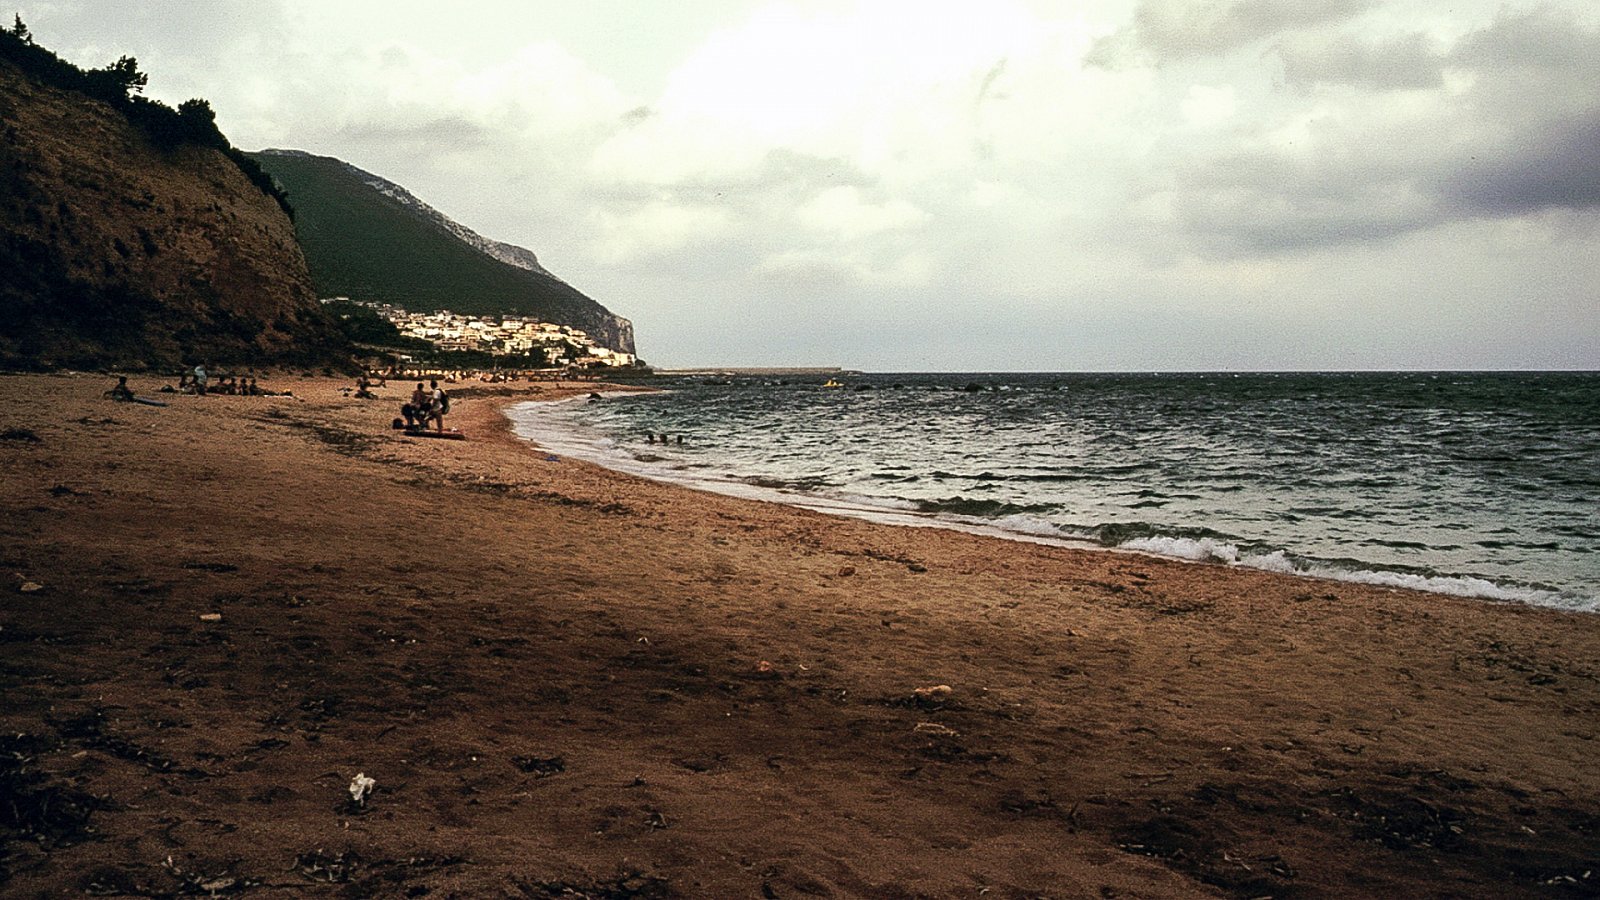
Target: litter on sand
361 787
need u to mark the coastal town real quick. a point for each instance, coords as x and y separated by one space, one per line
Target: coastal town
500 335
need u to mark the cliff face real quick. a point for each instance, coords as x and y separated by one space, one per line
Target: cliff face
370 239
115 254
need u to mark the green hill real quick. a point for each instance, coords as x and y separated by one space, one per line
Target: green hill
368 239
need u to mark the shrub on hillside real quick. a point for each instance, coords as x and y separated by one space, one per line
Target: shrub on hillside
193 123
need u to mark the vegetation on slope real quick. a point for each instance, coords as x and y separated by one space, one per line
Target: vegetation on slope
119 84
363 244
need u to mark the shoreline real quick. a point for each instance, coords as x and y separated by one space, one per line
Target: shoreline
564 678
1206 552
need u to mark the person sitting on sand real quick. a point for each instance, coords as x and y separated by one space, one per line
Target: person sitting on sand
121 392
416 412
362 392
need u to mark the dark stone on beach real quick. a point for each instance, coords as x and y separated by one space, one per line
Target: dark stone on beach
540 767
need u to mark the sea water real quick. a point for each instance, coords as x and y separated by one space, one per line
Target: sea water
1473 484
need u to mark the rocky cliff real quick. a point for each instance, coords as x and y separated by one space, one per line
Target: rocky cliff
114 253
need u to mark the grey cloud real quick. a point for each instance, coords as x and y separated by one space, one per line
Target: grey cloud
784 181
1559 170
449 134
785 178
1545 38
1406 62
1532 71
1173 30
1524 136
210 29
1260 205
1535 104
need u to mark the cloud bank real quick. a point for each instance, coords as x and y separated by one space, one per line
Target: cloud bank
1164 184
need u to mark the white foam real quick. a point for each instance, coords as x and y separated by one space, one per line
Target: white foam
1458 586
1213 551
1196 549
1022 523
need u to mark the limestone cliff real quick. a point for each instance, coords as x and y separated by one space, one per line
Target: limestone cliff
115 253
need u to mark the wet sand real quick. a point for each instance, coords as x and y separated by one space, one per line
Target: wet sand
570 682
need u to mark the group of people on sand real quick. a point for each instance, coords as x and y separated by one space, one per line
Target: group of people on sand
198 382
426 405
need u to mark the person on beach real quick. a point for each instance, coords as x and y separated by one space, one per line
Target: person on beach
439 404
121 392
416 412
200 380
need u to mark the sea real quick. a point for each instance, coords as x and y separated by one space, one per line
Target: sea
1478 485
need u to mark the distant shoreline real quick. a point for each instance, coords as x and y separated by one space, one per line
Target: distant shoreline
759 370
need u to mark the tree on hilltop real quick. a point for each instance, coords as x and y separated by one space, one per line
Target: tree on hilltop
121 85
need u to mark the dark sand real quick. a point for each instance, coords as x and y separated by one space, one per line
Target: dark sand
568 682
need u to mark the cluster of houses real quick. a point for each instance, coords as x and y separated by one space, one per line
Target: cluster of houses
502 335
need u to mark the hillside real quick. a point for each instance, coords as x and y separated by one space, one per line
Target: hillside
369 239
116 252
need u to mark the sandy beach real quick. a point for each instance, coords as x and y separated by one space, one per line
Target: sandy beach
569 682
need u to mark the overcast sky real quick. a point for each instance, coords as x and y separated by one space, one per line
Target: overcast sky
931 185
